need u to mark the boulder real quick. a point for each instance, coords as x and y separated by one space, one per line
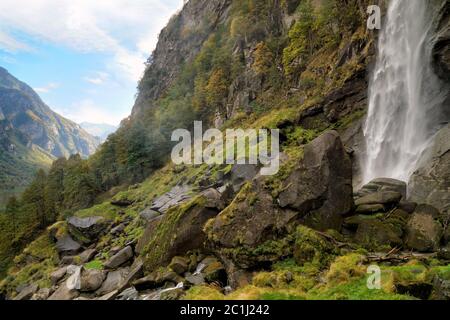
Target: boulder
214 271
119 258
375 234
41 295
136 272
91 280
370 209
407 206
27 292
180 230
380 197
148 233
242 173
430 183
320 189
175 197
179 265
57 275
148 215
63 293
129 294
87 255
157 279
67 246
86 230
118 229
195 279
383 185
113 281
423 233
109 296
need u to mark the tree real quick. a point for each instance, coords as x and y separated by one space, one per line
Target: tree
11 212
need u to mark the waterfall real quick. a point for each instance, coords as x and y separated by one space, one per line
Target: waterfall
405 96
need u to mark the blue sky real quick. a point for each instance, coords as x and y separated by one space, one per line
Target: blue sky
83 57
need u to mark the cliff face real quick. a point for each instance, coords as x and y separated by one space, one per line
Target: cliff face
27 113
178 44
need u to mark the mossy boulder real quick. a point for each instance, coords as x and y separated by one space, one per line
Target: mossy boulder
311 247
320 189
87 230
179 265
423 233
181 230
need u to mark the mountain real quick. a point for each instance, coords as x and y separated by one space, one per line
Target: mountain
26 112
32 135
226 231
100 130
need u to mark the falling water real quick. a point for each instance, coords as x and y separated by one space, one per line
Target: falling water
404 98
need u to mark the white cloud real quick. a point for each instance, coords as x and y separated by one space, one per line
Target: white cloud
88 110
98 78
127 30
46 89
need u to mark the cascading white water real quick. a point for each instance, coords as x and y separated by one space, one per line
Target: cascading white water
404 95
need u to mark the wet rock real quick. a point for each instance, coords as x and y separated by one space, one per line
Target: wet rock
157 279
383 197
67 246
27 292
91 280
119 258
444 253
423 233
113 280
428 210
321 187
56 276
179 265
87 229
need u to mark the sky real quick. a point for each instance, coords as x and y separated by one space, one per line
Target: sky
83 57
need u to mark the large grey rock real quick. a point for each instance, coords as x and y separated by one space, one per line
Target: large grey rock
27 292
180 230
67 246
431 182
41 295
119 258
423 233
241 173
383 185
91 280
87 229
320 190
87 255
57 275
148 214
383 197
175 197
63 293
113 281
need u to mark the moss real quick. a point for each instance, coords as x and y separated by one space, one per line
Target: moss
311 247
94 265
164 234
281 296
345 268
37 262
203 292
106 210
